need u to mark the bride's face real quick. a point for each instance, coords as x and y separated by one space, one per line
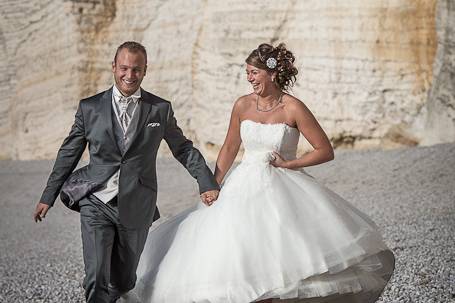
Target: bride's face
260 79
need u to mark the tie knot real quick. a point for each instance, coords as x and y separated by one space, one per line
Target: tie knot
124 102
127 100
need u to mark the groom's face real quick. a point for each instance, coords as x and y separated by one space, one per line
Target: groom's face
129 70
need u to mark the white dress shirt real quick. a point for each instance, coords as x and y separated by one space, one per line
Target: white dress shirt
111 190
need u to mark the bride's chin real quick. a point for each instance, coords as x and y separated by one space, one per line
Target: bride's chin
257 92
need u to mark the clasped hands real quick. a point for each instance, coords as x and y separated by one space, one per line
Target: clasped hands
209 197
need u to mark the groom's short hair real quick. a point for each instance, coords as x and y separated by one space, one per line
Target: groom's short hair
133 47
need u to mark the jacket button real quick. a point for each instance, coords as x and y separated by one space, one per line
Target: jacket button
123 161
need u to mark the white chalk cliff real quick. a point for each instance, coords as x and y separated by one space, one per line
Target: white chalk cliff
377 74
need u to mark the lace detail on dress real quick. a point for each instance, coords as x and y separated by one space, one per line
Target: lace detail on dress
260 140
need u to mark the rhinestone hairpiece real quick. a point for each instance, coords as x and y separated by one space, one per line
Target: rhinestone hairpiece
271 63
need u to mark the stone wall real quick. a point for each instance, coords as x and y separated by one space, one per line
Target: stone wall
366 67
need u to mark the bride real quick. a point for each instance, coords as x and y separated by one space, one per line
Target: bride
274 234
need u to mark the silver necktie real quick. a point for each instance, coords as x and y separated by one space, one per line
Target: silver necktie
125 118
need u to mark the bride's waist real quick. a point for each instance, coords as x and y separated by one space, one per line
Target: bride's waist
263 156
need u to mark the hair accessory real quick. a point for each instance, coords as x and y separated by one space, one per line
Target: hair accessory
271 63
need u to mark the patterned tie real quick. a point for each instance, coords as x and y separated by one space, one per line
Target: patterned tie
125 118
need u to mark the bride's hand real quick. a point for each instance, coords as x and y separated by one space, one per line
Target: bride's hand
209 197
278 161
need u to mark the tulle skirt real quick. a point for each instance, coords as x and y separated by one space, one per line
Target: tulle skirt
272 233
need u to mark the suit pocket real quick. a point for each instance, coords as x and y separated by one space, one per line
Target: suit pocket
154 128
148 182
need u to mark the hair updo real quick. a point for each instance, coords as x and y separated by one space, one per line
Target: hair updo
285 69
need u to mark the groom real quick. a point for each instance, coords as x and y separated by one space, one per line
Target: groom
116 192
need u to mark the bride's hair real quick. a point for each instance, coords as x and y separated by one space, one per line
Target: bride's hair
285 69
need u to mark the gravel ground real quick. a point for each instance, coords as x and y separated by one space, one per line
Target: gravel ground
409 193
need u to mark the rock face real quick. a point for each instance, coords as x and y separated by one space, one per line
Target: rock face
365 67
438 120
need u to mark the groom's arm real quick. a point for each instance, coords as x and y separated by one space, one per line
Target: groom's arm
68 156
190 157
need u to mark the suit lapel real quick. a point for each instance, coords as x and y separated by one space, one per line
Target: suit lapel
145 108
106 113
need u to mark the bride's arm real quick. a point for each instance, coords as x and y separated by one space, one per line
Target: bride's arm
310 128
231 144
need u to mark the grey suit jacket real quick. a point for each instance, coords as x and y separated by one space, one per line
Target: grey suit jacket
137 181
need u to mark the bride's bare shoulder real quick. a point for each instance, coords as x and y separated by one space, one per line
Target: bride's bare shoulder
294 104
244 102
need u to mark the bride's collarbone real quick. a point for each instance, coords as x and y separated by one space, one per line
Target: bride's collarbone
278 115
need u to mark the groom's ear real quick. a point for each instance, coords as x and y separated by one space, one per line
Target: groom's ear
113 66
145 70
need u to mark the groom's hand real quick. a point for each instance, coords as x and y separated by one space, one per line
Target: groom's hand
40 211
209 197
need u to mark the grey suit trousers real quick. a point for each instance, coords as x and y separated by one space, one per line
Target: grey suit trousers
111 251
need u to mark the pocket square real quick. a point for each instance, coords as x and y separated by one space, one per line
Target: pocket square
153 124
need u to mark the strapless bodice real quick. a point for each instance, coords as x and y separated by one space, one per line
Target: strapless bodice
260 140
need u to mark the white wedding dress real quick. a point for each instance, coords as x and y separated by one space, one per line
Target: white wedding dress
272 233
